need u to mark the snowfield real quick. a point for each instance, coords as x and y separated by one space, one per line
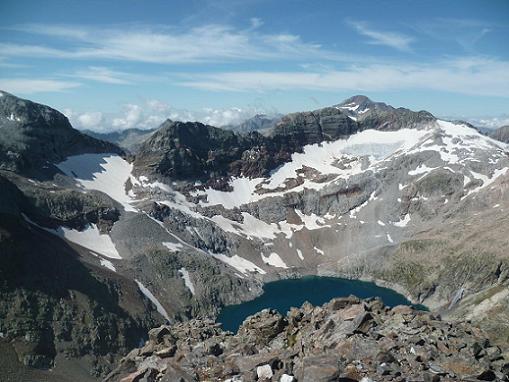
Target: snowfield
107 173
89 238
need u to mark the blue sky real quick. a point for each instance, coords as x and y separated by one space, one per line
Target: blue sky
131 63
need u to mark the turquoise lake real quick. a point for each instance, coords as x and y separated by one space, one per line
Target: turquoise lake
282 295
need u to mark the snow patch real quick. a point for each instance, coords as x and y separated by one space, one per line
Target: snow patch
242 265
403 222
274 260
108 264
89 238
153 299
422 169
102 172
299 253
173 247
319 251
187 280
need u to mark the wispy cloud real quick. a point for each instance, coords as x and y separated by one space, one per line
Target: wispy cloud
467 33
31 86
105 75
377 37
209 43
473 76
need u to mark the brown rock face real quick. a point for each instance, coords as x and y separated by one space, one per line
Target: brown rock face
346 339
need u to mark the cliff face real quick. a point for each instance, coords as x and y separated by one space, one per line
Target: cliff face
501 134
345 340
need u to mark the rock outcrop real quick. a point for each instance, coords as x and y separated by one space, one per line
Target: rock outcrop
346 339
501 134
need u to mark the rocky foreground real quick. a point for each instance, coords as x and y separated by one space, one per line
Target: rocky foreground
347 339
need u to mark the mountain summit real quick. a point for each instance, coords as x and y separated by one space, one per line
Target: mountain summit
31 134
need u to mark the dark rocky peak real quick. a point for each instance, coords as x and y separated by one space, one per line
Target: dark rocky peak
378 115
192 150
192 135
19 111
33 135
300 129
358 100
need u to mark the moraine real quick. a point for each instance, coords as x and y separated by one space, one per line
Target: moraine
284 294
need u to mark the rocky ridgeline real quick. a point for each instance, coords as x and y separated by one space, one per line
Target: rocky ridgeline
347 339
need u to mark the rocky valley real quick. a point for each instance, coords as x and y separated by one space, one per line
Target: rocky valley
100 244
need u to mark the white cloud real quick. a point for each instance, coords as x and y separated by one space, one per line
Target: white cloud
131 118
90 120
489 122
473 76
153 112
103 74
208 43
31 86
376 37
256 22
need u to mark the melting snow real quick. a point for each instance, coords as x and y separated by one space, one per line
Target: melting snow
299 253
239 263
89 238
153 299
108 264
486 181
103 172
187 280
389 238
274 260
381 223
319 251
422 169
173 247
351 106
242 193
403 222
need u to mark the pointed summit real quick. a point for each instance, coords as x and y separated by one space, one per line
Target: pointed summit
356 100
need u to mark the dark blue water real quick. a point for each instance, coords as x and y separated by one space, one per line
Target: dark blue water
282 295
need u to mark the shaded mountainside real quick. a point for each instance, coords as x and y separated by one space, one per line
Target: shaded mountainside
501 134
345 340
58 303
260 122
32 134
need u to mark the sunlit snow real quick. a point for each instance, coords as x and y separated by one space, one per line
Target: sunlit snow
102 172
153 299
